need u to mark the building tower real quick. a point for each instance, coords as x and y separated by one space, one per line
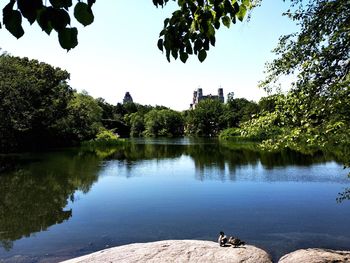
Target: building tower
199 94
127 98
194 99
221 95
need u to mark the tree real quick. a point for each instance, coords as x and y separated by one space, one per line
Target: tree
239 110
136 123
268 104
207 119
318 55
130 107
108 110
190 30
83 120
33 97
316 110
173 123
163 122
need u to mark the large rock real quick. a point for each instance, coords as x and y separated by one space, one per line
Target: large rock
316 255
177 251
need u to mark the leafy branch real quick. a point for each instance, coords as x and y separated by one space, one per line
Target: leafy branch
190 30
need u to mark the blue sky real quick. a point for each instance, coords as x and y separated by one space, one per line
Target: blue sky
118 53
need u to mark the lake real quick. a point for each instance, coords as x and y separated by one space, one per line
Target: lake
65 203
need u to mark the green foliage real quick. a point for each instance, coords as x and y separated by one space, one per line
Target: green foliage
269 103
83 120
136 124
239 110
319 59
68 38
108 110
315 114
156 121
262 128
12 20
53 15
38 108
33 98
206 119
130 107
190 30
104 138
83 13
317 53
165 122
230 134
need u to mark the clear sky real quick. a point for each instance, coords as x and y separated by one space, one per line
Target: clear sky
118 53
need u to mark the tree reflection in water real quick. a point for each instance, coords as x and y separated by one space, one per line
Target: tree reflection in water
35 195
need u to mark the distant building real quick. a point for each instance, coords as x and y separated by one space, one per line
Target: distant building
198 96
127 98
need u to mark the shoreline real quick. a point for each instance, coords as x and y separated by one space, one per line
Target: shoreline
204 251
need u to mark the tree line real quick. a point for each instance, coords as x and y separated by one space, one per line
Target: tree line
38 109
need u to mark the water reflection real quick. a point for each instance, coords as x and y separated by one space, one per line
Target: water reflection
34 197
36 194
215 161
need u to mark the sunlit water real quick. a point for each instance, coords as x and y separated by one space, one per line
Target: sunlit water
67 203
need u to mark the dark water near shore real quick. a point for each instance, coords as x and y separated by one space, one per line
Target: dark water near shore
66 203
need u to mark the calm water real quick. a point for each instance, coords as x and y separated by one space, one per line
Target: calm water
67 203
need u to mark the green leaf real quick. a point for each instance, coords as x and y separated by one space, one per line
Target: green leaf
91 2
44 20
235 7
83 13
247 3
212 41
211 31
167 53
202 55
59 18
29 9
56 3
242 12
13 22
234 19
206 44
166 21
183 57
198 44
7 11
61 3
181 3
160 44
226 21
189 49
68 38
217 24
174 54
159 2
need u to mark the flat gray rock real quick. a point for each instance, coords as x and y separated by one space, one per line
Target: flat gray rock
316 255
177 251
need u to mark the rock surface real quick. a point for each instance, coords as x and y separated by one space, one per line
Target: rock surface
316 255
177 251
